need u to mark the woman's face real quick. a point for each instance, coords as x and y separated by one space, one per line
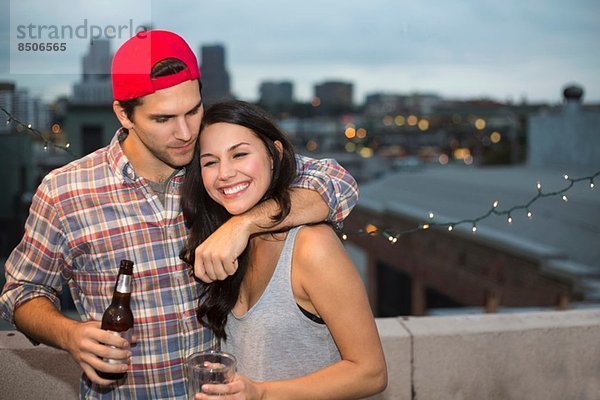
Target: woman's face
235 165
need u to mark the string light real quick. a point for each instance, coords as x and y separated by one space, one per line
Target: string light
28 128
393 235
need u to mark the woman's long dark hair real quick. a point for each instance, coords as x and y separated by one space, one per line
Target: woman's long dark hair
203 215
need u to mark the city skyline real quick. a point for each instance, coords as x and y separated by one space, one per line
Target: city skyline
507 51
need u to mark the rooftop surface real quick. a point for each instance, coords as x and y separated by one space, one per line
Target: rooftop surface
565 234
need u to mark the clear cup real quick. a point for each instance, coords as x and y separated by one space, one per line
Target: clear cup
209 367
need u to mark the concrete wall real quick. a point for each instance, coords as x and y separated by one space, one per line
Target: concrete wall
571 137
542 355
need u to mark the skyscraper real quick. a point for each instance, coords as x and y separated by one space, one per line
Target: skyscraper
95 86
215 78
275 95
334 97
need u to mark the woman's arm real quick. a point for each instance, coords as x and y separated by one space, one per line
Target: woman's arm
323 190
330 281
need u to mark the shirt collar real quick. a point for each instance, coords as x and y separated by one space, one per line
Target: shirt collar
119 162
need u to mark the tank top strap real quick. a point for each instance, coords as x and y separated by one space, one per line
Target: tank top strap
282 273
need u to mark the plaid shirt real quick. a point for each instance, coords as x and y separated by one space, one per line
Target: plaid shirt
95 211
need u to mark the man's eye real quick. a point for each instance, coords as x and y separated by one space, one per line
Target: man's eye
161 120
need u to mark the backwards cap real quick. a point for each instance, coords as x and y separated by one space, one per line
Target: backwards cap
133 62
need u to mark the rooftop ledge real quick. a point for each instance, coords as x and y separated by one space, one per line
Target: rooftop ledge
537 355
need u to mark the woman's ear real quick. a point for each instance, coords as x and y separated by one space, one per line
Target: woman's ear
279 148
122 115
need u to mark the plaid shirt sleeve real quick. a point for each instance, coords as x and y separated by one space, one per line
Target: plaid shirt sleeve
34 268
337 187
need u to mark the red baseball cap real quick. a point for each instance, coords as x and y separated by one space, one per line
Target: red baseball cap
133 62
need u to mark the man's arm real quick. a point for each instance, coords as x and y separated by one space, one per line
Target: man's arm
39 319
29 298
216 257
336 186
323 190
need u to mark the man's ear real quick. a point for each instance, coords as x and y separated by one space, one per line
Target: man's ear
122 115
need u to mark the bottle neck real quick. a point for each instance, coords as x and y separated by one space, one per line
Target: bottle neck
123 284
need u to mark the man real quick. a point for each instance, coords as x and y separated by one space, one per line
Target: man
123 202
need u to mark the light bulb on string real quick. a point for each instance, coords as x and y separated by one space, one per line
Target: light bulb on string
529 214
344 237
67 145
425 226
566 177
565 198
431 215
495 205
29 126
474 228
509 219
539 186
450 227
591 183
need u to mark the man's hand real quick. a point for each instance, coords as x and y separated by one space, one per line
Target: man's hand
216 257
89 345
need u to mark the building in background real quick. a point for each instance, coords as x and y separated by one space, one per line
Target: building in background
89 122
95 85
215 78
21 154
567 135
334 97
277 96
537 255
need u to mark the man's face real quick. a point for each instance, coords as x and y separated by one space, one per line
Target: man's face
164 129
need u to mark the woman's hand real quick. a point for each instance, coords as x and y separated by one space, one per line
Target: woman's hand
241 388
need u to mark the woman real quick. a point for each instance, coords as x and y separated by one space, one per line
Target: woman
295 314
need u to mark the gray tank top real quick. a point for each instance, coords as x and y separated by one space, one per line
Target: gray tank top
274 339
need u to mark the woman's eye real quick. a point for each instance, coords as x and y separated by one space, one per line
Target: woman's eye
238 155
209 163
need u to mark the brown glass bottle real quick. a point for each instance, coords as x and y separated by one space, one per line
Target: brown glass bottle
118 316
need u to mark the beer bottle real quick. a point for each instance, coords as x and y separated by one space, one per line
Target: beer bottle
118 317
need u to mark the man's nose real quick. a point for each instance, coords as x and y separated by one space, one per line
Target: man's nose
183 131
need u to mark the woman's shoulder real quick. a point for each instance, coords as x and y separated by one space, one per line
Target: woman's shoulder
315 243
314 234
